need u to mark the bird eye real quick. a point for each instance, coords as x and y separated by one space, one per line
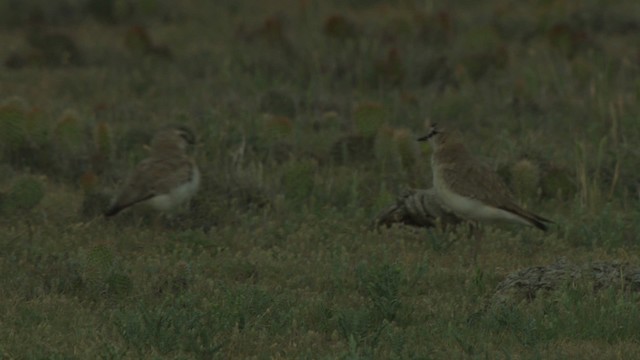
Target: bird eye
187 135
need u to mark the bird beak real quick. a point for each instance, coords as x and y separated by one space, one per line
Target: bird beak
433 131
429 135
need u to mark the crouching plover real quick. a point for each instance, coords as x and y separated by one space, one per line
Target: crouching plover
469 188
164 180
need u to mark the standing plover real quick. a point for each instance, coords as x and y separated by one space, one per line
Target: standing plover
164 180
469 188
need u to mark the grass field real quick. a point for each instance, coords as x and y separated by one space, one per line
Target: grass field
307 113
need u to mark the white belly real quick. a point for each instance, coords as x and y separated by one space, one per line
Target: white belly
471 209
178 195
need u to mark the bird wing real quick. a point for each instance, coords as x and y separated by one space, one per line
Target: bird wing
478 181
152 177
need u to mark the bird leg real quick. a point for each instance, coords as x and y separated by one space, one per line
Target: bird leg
476 235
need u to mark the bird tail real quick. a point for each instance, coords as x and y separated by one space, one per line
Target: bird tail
117 206
113 210
533 219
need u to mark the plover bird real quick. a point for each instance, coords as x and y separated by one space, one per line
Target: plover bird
164 180
469 188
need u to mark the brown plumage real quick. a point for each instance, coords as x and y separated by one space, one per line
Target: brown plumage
167 178
469 187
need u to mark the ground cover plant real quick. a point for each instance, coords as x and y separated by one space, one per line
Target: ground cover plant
307 114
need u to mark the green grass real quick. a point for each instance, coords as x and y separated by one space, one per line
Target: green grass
305 111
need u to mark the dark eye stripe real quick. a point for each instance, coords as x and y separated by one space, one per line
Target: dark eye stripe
187 135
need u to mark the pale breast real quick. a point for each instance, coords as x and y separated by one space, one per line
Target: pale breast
463 206
178 195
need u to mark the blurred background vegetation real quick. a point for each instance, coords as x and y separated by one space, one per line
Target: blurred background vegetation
307 113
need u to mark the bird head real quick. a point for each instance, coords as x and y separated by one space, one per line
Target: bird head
174 137
435 136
